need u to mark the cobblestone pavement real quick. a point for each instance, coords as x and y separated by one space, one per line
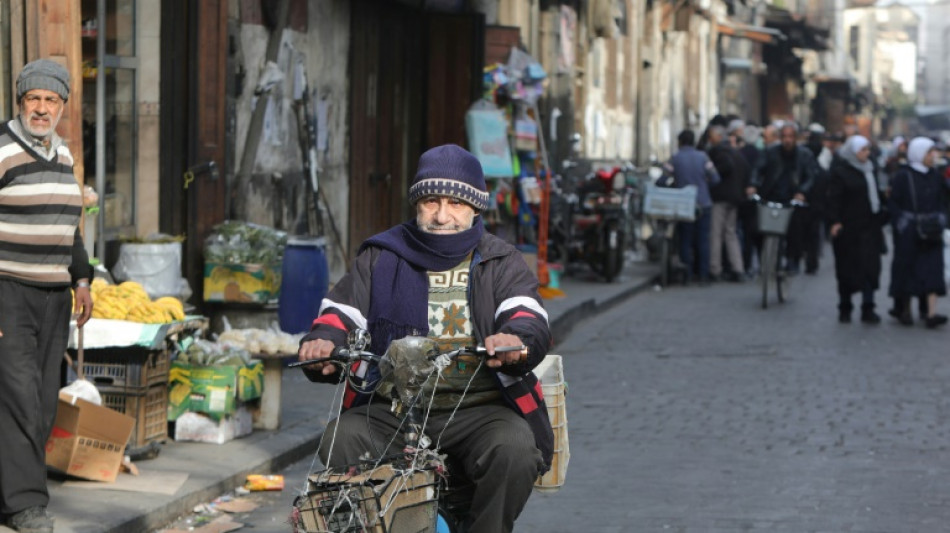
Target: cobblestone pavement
692 409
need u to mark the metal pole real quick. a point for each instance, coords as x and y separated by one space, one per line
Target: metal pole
101 129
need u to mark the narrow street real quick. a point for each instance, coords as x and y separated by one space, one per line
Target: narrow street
692 409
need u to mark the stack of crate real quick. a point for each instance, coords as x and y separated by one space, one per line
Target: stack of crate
133 380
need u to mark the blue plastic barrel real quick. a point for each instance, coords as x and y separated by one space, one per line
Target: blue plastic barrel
303 284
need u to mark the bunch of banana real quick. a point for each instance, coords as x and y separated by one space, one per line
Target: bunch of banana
148 313
129 301
172 306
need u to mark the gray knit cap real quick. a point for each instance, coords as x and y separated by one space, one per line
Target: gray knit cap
450 170
43 74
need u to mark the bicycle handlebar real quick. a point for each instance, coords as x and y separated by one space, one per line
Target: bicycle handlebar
345 356
791 203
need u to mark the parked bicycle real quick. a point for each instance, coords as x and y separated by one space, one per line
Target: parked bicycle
772 220
415 491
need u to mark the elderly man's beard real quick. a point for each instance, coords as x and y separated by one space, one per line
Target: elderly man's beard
41 132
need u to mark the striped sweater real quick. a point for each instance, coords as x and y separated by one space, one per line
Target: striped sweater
40 212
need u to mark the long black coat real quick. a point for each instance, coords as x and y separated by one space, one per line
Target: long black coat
860 243
917 268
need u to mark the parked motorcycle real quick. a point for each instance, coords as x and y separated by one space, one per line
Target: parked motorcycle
602 222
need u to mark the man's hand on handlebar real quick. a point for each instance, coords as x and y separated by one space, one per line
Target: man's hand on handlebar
498 340
317 349
799 197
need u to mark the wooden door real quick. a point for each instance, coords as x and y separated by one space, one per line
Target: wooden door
385 104
193 127
455 49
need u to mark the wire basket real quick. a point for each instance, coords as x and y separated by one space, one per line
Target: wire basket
774 218
669 203
383 499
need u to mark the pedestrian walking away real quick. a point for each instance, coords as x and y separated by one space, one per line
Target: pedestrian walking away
442 276
690 166
41 256
726 196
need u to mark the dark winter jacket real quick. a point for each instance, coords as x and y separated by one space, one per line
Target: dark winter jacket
690 166
733 173
917 267
774 183
503 298
860 242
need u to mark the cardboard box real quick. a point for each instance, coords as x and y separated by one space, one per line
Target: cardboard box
247 283
88 440
202 428
212 390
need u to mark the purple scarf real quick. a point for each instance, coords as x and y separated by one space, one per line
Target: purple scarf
400 286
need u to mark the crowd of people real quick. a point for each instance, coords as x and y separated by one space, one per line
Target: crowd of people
846 189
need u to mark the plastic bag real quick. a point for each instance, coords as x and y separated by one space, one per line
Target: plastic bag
156 266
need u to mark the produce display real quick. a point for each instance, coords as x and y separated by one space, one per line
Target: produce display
203 352
129 301
235 242
266 341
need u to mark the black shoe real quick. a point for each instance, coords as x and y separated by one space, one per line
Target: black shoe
844 317
868 316
32 520
934 321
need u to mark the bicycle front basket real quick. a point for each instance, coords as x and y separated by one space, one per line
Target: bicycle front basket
381 500
774 218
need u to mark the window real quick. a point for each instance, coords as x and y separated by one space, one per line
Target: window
854 46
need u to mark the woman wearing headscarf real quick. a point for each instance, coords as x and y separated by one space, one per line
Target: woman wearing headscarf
856 214
917 267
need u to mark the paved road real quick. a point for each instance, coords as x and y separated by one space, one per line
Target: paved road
691 409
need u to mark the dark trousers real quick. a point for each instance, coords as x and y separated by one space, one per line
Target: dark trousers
795 239
811 238
493 443
35 326
695 236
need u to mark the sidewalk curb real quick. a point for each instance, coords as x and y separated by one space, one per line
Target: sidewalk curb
306 441
565 323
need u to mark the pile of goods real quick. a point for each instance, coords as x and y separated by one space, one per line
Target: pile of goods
129 301
236 242
209 353
266 341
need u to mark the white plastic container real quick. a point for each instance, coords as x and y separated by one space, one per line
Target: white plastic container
554 387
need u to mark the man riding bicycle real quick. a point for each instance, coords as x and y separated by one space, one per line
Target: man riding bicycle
442 276
786 172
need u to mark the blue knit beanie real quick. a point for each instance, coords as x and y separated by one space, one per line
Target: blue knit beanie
43 74
450 170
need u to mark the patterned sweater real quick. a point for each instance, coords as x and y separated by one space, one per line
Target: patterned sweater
40 212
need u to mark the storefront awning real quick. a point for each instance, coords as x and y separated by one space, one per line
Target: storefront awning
741 30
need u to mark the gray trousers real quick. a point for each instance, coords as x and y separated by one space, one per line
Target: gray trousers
493 443
723 228
35 326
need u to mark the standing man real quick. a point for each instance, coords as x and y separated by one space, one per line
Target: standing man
726 196
786 172
441 276
690 166
41 256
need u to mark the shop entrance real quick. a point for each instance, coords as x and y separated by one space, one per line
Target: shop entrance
413 75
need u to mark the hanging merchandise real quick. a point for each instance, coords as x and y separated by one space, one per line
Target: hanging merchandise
526 133
487 132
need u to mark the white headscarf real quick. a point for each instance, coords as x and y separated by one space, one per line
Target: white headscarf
917 151
849 152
